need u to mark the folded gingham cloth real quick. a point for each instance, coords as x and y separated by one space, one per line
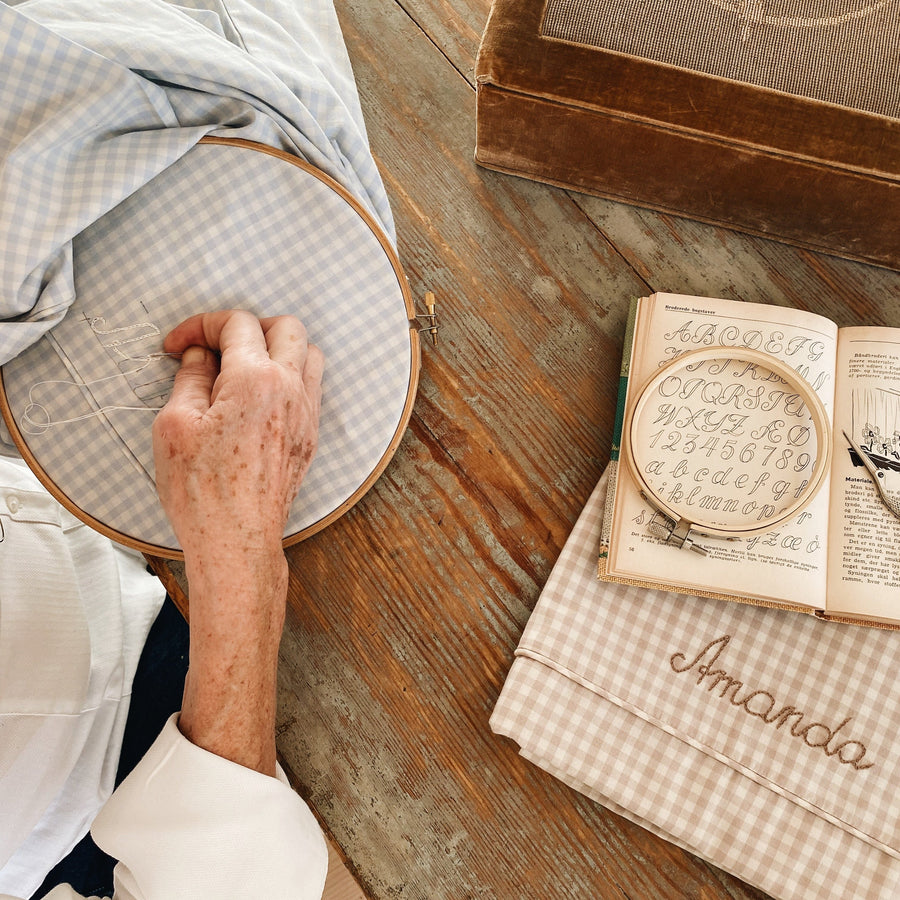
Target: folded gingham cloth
763 741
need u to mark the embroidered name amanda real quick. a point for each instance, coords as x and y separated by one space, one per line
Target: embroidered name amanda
762 705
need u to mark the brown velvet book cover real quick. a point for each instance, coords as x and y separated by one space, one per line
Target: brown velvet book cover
773 125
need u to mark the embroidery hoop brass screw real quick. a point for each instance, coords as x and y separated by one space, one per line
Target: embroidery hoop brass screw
430 318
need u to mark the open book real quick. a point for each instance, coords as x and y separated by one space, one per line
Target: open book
839 557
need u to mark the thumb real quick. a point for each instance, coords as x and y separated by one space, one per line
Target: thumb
195 379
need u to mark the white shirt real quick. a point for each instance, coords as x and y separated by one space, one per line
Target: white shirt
75 610
189 824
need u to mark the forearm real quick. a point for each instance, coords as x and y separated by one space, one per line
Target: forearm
231 447
237 615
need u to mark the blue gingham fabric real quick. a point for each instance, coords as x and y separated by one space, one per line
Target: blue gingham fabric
120 224
99 96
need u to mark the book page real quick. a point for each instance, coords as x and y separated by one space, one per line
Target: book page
786 564
864 538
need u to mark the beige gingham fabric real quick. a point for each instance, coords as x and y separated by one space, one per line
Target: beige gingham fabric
767 742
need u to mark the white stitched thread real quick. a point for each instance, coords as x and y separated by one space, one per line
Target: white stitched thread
35 426
95 323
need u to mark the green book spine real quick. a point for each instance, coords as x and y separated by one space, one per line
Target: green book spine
623 381
617 428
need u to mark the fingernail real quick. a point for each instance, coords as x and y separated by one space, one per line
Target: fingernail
193 356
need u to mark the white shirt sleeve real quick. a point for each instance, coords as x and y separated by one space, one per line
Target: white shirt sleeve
187 823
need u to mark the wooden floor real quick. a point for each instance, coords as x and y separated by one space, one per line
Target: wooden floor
444 559
515 262
340 883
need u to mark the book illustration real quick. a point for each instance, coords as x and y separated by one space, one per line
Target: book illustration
875 425
886 480
879 451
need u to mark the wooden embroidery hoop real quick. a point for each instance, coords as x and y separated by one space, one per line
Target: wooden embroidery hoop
415 366
684 526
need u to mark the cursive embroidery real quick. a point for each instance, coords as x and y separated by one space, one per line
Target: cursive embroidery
762 704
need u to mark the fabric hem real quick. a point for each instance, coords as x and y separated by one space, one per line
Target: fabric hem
735 765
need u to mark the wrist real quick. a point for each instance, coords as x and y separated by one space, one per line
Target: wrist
216 571
236 619
237 614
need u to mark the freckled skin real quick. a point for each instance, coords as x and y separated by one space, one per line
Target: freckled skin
274 407
231 449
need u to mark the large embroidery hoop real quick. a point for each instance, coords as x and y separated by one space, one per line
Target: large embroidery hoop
233 223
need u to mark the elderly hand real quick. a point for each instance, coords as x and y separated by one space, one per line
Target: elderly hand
231 448
239 431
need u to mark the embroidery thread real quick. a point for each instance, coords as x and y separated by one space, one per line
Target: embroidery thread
36 418
139 332
761 704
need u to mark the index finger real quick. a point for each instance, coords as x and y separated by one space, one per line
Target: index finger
234 333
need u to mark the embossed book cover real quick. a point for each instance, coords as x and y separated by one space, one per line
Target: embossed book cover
781 441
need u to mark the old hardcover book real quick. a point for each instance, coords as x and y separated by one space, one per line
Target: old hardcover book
839 556
781 119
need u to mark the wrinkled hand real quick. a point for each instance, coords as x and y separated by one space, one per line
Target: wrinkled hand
231 448
239 432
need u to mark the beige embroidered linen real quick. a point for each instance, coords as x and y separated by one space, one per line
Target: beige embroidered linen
762 740
763 705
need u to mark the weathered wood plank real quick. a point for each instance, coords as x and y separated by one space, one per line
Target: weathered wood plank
683 256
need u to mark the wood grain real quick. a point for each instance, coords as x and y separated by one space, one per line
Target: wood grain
405 613
410 642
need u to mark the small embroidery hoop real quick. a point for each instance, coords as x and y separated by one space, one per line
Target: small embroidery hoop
681 528
414 348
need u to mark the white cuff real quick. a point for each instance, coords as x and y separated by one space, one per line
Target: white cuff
187 823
